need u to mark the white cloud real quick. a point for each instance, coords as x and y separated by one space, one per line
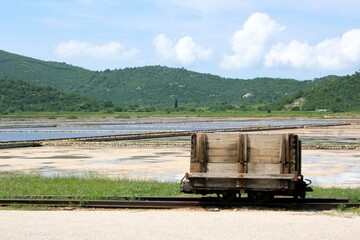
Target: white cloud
106 51
184 51
252 47
249 43
331 54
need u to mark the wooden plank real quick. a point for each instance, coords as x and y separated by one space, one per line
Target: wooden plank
222 159
222 144
222 136
223 168
220 183
240 154
242 176
201 154
264 156
193 167
193 157
264 168
246 153
264 183
282 154
223 152
268 145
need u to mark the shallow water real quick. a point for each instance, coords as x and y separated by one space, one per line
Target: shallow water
18 131
331 167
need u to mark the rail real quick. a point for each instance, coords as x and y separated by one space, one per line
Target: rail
179 202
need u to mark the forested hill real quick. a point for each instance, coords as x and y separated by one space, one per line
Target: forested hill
335 93
21 96
159 86
151 85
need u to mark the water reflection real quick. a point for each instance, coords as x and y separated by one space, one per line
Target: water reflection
331 167
68 129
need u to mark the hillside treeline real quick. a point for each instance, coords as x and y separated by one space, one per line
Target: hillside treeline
52 86
19 96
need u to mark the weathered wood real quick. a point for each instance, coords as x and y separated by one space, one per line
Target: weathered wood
242 176
251 161
245 154
193 157
263 168
223 168
232 144
223 183
222 159
282 153
240 152
202 153
231 152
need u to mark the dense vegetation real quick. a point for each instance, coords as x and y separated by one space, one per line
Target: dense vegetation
147 86
18 96
336 93
331 93
152 88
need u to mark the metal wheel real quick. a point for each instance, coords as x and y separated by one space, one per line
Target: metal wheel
228 196
260 196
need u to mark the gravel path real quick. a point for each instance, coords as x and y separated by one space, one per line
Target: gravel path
176 224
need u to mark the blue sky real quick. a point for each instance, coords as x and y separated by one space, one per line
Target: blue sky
231 38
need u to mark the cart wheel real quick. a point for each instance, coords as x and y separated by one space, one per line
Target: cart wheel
260 197
228 196
302 194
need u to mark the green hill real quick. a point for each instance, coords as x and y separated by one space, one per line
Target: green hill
21 96
334 93
159 86
144 86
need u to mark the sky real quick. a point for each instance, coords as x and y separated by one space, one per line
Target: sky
300 39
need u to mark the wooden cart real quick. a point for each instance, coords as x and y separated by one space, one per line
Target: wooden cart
261 165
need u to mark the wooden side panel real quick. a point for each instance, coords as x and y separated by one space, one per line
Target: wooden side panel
264 168
236 160
222 153
264 148
224 168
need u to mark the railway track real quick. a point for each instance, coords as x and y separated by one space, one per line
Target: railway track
179 202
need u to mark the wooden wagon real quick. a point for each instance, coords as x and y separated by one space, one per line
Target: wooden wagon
261 165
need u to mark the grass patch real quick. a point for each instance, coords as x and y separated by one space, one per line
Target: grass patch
95 186
353 194
91 186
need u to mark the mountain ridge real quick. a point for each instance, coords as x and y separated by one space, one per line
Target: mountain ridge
161 86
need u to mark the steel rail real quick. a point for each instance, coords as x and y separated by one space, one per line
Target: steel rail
184 202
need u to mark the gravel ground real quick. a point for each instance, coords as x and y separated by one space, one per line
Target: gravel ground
177 224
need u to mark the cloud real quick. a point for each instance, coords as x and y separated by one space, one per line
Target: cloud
331 54
250 42
106 51
184 51
253 46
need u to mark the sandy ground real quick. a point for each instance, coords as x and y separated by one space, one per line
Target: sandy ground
326 167
176 224
167 164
